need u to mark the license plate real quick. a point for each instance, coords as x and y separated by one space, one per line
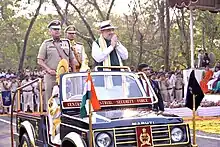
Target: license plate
144 136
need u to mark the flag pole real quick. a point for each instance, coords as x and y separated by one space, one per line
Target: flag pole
192 66
90 121
194 122
191 37
90 125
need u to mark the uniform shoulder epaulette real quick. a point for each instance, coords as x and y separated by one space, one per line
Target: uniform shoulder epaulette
64 39
80 43
48 40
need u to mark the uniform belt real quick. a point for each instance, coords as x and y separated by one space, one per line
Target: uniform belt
178 89
27 90
169 88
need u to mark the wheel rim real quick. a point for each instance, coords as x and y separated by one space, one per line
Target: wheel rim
25 144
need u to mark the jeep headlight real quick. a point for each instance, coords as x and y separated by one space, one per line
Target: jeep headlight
103 140
176 134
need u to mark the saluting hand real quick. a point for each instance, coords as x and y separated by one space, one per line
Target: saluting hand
114 40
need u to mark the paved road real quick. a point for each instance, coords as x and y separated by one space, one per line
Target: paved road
203 139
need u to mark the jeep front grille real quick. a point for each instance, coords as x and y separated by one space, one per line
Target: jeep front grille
126 137
160 135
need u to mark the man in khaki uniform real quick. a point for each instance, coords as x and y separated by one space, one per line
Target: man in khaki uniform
81 58
51 52
163 84
179 87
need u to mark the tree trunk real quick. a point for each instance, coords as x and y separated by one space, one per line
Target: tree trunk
141 39
186 38
59 11
167 48
20 67
109 10
203 36
162 26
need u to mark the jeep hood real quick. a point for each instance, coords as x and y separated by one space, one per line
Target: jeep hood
127 117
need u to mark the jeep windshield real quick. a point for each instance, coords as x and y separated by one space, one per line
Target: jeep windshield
108 86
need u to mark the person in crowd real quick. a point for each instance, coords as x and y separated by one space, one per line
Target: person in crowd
214 78
171 78
200 58
163 84
162 68
36 94
27 71
132 68
147 71
27 95
205 60
179 87
6 85
107 50
177 69
1 88
218 64
81 59
207 75
51 52
154 83
216 86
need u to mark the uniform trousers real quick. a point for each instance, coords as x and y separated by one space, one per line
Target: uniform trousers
170 94
28 100
15 100
37 99
179 96
49 82
165 95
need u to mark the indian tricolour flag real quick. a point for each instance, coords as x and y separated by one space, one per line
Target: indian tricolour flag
89 94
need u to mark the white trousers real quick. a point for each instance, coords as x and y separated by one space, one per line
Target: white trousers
15 101
28 100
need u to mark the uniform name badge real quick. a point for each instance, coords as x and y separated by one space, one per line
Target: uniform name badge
144 137
64 45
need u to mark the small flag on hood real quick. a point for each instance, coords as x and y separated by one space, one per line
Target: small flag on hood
89 93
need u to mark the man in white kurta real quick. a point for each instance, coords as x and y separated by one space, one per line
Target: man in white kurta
107 49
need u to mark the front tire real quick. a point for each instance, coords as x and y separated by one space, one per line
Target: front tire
25 141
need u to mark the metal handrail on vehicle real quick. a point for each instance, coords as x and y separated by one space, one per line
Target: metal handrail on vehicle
151 89
30 83
113 67
18 90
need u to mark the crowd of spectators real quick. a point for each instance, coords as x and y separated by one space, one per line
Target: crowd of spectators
171 84
210 82
10 81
